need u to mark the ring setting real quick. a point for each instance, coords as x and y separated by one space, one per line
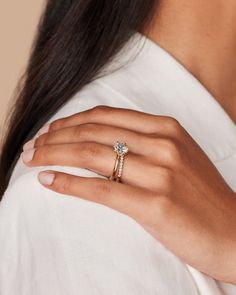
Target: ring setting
121 150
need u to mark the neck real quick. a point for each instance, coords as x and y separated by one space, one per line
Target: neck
202 36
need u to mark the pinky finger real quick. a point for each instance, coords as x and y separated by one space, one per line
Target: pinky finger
124 198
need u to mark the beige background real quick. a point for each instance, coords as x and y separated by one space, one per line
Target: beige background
18 20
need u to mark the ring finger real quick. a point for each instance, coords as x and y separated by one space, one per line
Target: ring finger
139 143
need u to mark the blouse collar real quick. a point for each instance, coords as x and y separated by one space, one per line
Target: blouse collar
193 106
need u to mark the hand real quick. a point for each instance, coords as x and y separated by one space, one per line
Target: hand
169 185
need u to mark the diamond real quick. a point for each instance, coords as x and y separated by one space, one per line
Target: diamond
121 148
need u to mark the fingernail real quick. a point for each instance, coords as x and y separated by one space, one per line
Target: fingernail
28 155
29 145
46 178
43 130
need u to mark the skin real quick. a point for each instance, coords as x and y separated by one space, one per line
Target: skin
202 36
181 201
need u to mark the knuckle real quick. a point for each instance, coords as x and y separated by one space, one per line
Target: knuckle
99 110
64 184
172 152
173 125
155 144
57 124
47 138
44 155
39 141
84 131
41 155
93 150
89 152
152 141
103 187
75 133
167 181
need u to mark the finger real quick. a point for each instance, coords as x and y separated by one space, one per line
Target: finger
103 134
162 151
121 197
99 158
124 118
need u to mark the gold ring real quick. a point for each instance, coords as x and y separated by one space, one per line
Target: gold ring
121 150
115 169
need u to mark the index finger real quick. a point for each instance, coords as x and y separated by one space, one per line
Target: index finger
127 199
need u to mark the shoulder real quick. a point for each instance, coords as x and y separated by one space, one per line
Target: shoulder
42 231
29 204
31 213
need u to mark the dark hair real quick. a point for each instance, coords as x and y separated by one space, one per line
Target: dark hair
75 39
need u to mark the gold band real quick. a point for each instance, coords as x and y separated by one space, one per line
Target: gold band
115 169
121 150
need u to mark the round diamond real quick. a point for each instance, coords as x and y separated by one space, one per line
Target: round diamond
121 148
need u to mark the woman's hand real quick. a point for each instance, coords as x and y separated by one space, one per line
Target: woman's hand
169 185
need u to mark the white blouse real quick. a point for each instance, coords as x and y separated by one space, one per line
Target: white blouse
59 245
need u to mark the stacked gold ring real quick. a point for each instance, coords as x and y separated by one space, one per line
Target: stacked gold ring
121 150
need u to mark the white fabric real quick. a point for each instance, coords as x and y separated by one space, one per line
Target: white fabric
55 244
